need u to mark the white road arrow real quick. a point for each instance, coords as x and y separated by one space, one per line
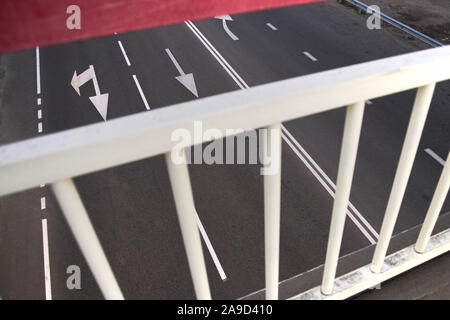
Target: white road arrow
186 80
100 101
224 19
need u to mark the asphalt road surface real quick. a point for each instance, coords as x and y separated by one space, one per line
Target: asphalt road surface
131 207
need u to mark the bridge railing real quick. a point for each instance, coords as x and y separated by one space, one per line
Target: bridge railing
56 158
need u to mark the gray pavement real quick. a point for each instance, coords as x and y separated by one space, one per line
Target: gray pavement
131 206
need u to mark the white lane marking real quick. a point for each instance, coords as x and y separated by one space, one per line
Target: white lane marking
124 53
141 92
210 248
40 127
42 185
39 101
48 284
309 55
43 203
38 72
242 84
39 114
331 183
369 102
174 61
216 55
187 80
435 156
224 19
271 26
327 188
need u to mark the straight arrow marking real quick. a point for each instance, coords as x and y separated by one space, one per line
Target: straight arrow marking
175 62
187 80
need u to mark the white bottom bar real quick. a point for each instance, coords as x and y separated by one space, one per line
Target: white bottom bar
363 278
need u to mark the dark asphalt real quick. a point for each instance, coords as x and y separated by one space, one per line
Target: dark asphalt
131 206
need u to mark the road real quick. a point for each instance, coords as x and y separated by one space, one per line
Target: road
131 207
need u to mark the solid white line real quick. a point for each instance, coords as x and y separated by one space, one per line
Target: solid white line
48 284
217 55
242 84
435 156
124 53
39 114
309 55
210 248
43 203
141 92
331 183
327 188
40 127
38 72
39 101
271 26
174 61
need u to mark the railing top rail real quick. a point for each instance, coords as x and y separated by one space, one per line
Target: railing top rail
57 156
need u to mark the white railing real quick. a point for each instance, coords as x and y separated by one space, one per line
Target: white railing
56 158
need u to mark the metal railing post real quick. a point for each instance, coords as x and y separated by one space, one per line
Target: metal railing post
84 233
184 203
435 207
349 150
272 197
410 145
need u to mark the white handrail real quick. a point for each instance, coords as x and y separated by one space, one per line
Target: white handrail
184 202
349 149
435 208
57 158
272 196
62 155
409 149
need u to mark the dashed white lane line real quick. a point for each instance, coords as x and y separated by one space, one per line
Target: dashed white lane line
435 156
199 223
124 53
271 26
309 55
48 285
243 85
211 250
38 72
144 99
47 280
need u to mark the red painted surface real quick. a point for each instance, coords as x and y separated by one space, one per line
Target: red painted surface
28 23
